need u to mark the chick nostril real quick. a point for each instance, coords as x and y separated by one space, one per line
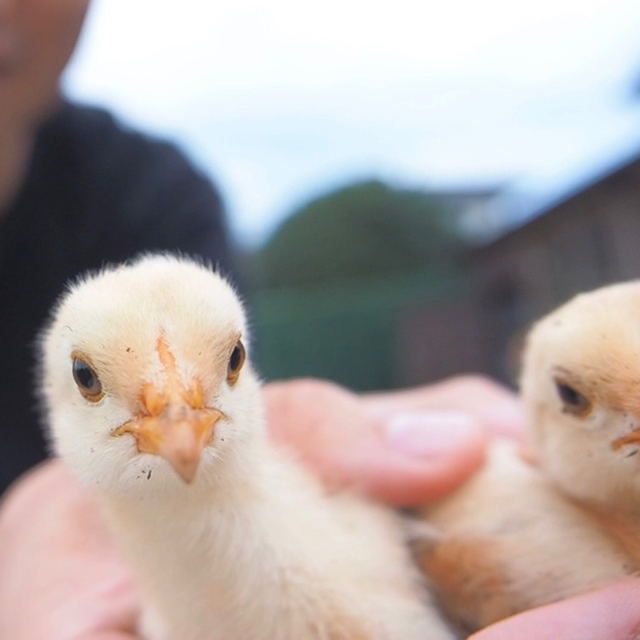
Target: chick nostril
155 403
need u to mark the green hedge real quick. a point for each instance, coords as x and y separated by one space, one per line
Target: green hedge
345 332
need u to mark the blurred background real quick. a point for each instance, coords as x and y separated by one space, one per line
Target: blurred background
409 184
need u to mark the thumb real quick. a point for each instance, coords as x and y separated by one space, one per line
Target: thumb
403 459
110 635
610 613
411 458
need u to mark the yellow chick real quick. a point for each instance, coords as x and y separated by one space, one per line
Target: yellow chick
518 536
151 400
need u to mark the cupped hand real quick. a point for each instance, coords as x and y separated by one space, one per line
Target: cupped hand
60 578
610 613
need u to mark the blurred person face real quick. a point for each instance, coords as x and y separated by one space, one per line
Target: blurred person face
37 38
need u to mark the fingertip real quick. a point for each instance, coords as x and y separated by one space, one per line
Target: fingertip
420 457
430 435
610 612
110 635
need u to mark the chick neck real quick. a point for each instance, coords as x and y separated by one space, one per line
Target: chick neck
214 548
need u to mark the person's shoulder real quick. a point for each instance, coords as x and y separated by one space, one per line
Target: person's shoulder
105 149
77 120
123 172
127 191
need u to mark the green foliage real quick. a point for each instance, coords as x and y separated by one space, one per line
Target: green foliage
344 333
332 285
364 231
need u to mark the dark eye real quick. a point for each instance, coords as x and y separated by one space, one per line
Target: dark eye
236 360
86 379
573 401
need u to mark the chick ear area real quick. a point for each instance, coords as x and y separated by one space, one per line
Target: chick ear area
86 378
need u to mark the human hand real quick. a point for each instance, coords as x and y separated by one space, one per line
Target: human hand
402 447
488 403
60 578
610 613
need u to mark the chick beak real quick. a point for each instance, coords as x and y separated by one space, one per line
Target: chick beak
178 430
630 438
183 443
174 422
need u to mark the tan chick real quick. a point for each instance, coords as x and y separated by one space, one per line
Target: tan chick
152 402
518 536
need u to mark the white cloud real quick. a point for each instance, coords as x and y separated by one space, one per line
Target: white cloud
281 98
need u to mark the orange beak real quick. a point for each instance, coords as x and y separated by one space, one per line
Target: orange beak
174 423
631 438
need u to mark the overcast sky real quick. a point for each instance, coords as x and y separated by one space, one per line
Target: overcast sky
282 100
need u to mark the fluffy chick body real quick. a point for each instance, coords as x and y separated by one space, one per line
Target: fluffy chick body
252 547
519 536
510 541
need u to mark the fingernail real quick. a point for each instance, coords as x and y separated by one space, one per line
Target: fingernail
429 434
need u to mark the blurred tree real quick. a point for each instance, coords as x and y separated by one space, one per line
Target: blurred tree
335 279
364 231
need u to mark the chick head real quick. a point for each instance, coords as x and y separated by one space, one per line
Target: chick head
581 387
144 376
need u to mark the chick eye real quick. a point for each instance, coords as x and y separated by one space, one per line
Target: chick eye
573 401
236 360
87 380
